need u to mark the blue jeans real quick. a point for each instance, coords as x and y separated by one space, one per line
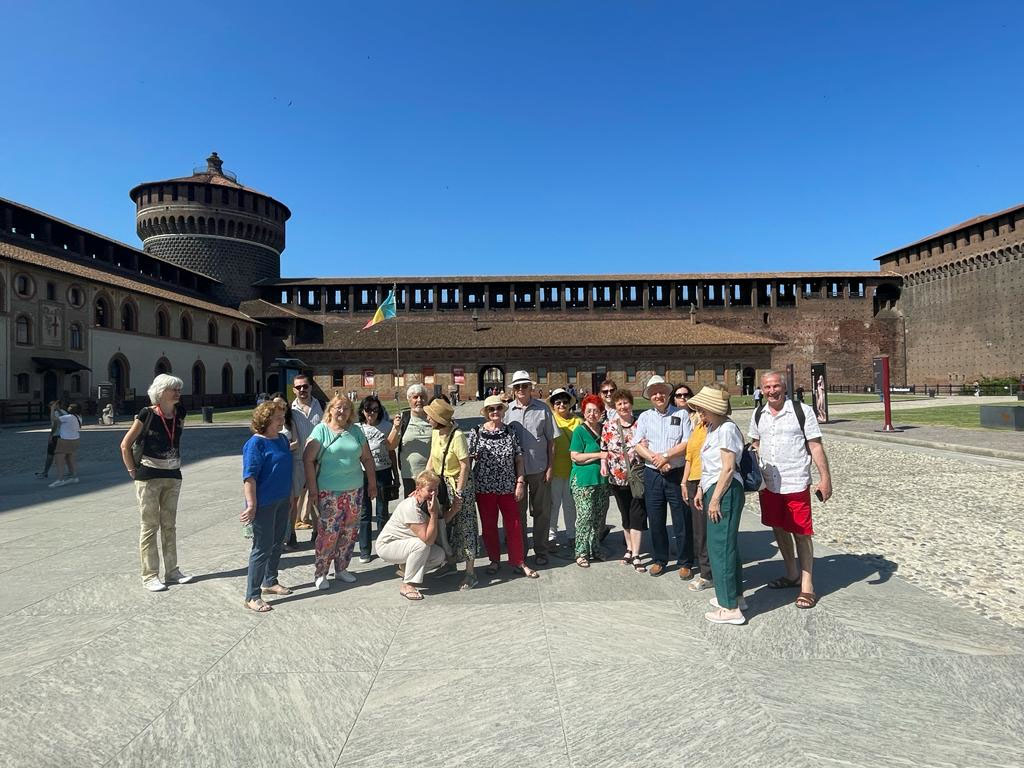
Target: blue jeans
659 490
269 525
384 478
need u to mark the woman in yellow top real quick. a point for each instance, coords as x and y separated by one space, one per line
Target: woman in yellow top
448 446
561 498
691 479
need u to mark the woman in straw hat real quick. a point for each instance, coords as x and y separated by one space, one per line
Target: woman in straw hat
500 484
449 459
721 495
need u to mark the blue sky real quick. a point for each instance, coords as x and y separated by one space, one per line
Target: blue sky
529 137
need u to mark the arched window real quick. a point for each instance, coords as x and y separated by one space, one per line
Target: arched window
128 317
76 382
163 323
163 365
24 286
23 327
250 381
75 336
234 336
186 326
198 378
119 374
23 383
227 380
248 338
211 332
102 317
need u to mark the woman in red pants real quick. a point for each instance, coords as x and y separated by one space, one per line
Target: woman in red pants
500 484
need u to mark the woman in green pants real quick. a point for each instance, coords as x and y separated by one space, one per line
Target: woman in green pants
721 494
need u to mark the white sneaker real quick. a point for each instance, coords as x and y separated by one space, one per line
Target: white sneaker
345 576
322 583
155 585
73 479
741 603
58 483
179 578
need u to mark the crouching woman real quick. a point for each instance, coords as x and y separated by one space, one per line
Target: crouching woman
407 539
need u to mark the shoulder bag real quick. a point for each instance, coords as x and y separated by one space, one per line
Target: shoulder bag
444 498
636 468
140 440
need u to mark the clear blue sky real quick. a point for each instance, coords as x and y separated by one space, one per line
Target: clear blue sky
523 137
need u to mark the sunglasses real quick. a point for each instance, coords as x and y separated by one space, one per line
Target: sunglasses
607 391
560 402
371 409
683 394
494 409
301 386
522 386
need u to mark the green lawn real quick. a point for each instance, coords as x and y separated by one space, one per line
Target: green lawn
945 415
221 414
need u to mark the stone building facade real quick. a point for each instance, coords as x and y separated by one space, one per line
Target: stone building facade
961 294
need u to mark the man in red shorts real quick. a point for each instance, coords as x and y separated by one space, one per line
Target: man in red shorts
787 444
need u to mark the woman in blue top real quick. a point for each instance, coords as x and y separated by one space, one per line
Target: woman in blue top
267 484
589 489
336 457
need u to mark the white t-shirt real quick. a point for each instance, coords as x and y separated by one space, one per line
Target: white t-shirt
397 527
785 460
70 427
726 437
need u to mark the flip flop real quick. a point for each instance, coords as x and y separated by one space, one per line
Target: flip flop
521 570
414 595
806 600
783 582
259 607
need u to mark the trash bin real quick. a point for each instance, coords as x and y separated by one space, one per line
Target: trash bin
208 414
931 393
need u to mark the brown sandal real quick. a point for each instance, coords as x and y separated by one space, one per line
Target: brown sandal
806 600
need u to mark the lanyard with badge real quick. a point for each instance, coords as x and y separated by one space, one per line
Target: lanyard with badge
172 451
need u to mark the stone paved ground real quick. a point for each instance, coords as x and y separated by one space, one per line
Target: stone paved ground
598 667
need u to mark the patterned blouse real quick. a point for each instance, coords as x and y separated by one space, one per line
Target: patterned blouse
620 453
494 459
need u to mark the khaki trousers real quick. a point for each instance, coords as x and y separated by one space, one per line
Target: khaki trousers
417 557
538 499
158 510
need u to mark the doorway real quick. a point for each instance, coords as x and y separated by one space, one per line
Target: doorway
748 381
490 376
49 387
117 372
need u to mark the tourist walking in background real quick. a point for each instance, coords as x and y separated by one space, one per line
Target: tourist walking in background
449 459
625 473
306 414
562 404
535 428
757 396
660 440
589 487
500 485
56 411
720 495
267 487
691 481
155 437
410 438
336 458
408 539
787 441
69 430
374 422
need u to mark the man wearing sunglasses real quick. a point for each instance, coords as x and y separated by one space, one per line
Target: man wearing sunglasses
535 427
306 414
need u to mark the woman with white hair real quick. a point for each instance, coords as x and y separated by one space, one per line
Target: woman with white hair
410 437
156 436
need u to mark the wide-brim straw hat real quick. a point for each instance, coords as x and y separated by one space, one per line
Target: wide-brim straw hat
441 412
712 400
522 377
492 401
555 393
656 382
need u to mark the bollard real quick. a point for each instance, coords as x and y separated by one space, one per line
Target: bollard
207 414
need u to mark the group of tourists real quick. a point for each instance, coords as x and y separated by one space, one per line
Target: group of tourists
527 459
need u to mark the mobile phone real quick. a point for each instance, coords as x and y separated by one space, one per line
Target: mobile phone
818 493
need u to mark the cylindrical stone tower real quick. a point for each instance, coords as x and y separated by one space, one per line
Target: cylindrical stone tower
210 223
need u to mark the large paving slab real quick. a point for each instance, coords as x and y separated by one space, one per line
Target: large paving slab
580 668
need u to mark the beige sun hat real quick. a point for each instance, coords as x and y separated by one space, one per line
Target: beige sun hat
522 377
440 411
492 401
711 399
555 393
656 382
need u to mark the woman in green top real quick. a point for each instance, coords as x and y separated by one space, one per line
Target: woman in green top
589 488
335 458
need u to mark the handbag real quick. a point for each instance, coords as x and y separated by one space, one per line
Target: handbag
391 492
141 439
444 497
635 471
750 469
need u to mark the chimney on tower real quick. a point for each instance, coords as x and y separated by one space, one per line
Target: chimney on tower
214 164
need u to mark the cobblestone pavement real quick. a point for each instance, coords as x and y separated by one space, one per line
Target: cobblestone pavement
95 671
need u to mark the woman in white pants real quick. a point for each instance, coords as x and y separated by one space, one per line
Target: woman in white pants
561 497
407 539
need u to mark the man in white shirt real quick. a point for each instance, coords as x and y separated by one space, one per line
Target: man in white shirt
660 440
306 414
786 448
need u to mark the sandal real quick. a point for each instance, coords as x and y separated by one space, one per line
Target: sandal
783 582
524 570
258 606
639 565
627 558
699 584
806 600
582 562
410 594
493 568
277 589
468 583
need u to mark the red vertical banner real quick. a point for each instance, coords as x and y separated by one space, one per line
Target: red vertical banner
881 366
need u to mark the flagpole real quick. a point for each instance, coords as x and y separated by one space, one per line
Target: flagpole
394 288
